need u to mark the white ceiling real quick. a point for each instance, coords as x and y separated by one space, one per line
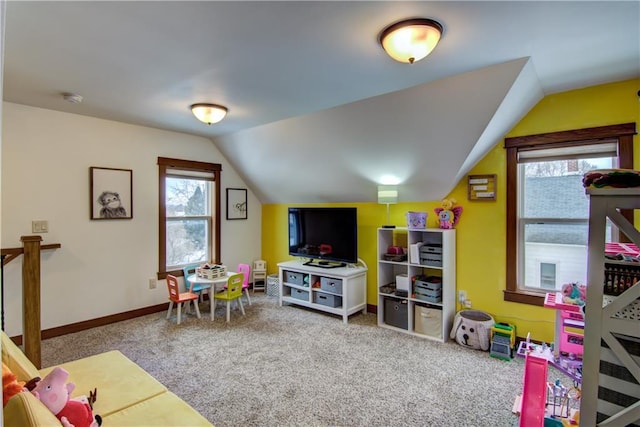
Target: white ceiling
317 111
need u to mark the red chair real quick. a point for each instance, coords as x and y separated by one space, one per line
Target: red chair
175 296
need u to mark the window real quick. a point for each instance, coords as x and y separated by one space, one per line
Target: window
189 212
547 209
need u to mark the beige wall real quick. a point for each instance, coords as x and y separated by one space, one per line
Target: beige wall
103 267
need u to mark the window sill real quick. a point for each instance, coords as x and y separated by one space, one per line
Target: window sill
524 297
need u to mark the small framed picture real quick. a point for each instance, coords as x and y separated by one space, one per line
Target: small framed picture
111 193
236 203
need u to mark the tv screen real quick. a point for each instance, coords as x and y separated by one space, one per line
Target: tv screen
324 233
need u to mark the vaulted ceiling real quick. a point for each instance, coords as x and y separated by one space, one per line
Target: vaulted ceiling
317 111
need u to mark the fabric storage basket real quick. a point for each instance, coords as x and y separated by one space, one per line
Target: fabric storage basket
273 285
428 321
417 219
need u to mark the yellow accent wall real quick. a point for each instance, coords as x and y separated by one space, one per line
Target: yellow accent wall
481 231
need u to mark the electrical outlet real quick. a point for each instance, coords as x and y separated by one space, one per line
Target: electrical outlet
462 296
467 303
152 283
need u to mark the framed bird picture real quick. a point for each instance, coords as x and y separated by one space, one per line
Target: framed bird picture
236 203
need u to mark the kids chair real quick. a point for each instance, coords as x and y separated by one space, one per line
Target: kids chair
196 288
245 269
233 292
259 275
175 296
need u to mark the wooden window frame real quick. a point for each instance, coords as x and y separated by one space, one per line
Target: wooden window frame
621 133
165 164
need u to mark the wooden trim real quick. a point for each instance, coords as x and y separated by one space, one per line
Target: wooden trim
373 309
93 323
162 221
621 133
189 164
576 137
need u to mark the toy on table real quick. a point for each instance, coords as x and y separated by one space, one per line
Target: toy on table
574 293
54 393
448 215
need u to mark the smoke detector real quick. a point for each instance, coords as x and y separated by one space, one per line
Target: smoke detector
72 98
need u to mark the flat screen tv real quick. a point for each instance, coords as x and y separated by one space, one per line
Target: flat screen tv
324 234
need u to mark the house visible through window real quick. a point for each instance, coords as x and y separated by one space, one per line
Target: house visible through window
548 209
189 208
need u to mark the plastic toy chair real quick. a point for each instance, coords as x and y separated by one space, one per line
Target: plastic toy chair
175 296
245 269
233 292
196 288
259 275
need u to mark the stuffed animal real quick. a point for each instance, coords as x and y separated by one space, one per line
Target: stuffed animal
471 328
574 293
448 215
54 392
10 385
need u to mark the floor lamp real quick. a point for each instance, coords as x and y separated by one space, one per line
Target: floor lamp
388 195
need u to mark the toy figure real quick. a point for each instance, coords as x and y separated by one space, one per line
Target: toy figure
573 293
55 395
448 215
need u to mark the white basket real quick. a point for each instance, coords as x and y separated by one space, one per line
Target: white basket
273 285
213 272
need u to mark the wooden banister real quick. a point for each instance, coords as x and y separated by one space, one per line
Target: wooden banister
32 335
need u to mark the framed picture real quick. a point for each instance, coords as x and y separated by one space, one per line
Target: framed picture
111 193
482 187
236 203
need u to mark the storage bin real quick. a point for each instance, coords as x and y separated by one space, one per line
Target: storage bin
330 284
428 321
329 300
432 260
431 283
417 219
299 294
396 312
273 285
293 278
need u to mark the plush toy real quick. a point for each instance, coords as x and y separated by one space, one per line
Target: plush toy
574 293
10 385
54 393
448 215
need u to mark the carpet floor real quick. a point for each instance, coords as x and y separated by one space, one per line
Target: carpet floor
289 366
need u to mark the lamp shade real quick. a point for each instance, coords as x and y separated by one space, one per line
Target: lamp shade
411 40
209 113
387 194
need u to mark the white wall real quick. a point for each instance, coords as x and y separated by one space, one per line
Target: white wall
103 267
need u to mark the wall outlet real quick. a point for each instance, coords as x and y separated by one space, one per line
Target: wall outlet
467 303
152 283
462 296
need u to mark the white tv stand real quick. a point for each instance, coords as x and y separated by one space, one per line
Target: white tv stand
343 291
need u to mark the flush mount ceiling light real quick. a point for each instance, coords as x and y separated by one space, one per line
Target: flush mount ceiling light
209 113
410 40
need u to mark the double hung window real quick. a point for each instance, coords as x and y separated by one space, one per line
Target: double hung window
189 213
547 208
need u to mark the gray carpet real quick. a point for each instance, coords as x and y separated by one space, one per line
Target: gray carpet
289 366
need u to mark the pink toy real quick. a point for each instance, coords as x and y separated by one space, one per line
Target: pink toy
448 215
54 393
574 293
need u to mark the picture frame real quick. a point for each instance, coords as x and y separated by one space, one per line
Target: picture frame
236 203
111 193
482 187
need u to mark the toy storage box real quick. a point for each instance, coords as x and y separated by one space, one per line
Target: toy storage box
428 321
395 313
417 219
330 284
329 300
294 278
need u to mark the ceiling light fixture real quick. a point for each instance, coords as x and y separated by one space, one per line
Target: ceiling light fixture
410 40
209 113
73 98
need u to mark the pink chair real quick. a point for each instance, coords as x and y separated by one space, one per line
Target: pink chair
245 269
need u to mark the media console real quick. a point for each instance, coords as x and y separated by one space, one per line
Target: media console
341 290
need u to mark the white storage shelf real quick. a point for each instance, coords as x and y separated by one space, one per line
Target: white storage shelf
408 314
344 294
